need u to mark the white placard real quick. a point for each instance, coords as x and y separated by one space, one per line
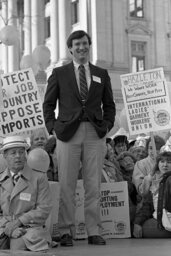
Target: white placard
115 210
1 98
22 105
146 101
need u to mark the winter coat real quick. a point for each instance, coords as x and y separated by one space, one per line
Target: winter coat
141 170
30 202
147 209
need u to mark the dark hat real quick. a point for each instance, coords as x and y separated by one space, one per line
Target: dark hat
120 138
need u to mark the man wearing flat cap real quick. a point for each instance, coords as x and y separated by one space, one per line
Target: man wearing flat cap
25 199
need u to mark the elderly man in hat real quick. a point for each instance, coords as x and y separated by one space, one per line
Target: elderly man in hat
25 199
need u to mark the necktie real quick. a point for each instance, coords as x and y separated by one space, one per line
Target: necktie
15 178
83 83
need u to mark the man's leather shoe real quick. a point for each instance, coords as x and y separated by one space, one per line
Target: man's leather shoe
96 240
66 240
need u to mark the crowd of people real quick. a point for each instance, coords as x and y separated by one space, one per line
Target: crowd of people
74 146
144 164
25 214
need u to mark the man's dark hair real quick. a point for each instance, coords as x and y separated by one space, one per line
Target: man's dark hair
77 35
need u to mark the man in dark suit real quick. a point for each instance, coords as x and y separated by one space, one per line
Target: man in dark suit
86 112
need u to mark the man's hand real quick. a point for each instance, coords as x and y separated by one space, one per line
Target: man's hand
11 226
137 232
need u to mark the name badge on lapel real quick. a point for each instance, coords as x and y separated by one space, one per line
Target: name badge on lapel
97 79
25 196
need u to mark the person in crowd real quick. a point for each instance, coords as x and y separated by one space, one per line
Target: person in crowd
143 168
3 163
38 138
50 147
109 141
148 219
86 113
139 149
131 143
120 144
25 200
111 169
139 152
127 161
109 153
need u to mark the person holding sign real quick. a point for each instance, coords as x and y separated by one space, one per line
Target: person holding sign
25 200
86 113
139 149
149 220
142 173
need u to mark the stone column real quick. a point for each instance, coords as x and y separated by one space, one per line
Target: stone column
27 28
64 29
13 51
54 31
3 46
37 20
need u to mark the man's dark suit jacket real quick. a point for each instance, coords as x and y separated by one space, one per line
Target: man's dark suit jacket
99 106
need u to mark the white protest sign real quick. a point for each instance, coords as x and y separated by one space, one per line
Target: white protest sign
146 101
1 98
22 105
114 207
114 210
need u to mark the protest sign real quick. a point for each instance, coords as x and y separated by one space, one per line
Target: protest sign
1 98
114 211
146 101
22 105
114 207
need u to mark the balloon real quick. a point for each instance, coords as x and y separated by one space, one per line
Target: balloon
28 62
38 159
41 56
123 120
9 35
